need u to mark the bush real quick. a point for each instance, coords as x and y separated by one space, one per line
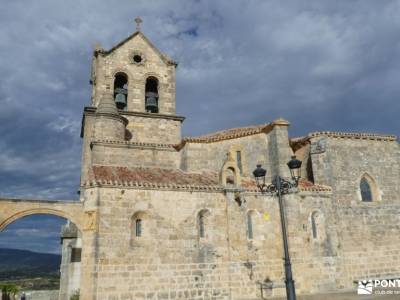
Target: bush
75 295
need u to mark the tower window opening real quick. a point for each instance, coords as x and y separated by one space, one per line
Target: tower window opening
151 95
121 90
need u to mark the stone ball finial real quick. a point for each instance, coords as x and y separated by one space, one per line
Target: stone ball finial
107 105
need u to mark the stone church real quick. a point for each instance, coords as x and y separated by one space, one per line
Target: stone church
169 217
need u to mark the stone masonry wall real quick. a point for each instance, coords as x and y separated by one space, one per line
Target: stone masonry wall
121 60
367 232
171 261
153 130
137 156
211 156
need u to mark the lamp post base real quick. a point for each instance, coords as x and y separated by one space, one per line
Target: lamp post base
290 291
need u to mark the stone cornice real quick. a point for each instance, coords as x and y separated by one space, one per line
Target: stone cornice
152 186
353 135
134 145
189 188
113 116
73 202
299 142
319 189
88 110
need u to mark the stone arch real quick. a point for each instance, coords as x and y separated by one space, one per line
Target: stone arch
47 211
230 172
368 189
151 74
121 70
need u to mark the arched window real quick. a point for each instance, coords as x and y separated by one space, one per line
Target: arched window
121 90
138 231
151 95
250 234
138 227
202 222
365 189
314 222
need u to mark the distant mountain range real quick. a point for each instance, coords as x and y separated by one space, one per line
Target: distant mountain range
20 264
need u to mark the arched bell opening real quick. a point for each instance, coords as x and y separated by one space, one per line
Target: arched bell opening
151 95
121 90
42 249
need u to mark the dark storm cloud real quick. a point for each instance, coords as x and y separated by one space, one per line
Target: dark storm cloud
323 65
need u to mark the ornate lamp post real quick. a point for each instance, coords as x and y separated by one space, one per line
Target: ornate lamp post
280 186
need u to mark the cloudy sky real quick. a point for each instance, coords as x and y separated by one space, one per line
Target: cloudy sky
323 65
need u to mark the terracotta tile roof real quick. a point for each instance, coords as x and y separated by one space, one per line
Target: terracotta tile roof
229 134
305 185
173 179
299 142
154 177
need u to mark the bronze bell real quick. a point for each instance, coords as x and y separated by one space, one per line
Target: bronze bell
120 97
152 102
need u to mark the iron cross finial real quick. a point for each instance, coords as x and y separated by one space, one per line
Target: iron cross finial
138 20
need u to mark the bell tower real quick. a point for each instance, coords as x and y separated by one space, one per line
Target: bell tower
142 81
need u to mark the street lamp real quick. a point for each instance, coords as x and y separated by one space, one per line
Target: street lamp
280 186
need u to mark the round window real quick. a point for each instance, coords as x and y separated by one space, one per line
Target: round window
137 58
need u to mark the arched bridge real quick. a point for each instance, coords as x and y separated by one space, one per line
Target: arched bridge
14 209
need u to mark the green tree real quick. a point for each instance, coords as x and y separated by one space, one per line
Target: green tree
8 291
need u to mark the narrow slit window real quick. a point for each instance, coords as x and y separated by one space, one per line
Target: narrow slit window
239 161
249 226
201 226
138 227
314 226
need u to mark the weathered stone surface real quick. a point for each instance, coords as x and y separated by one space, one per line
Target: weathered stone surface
163 217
